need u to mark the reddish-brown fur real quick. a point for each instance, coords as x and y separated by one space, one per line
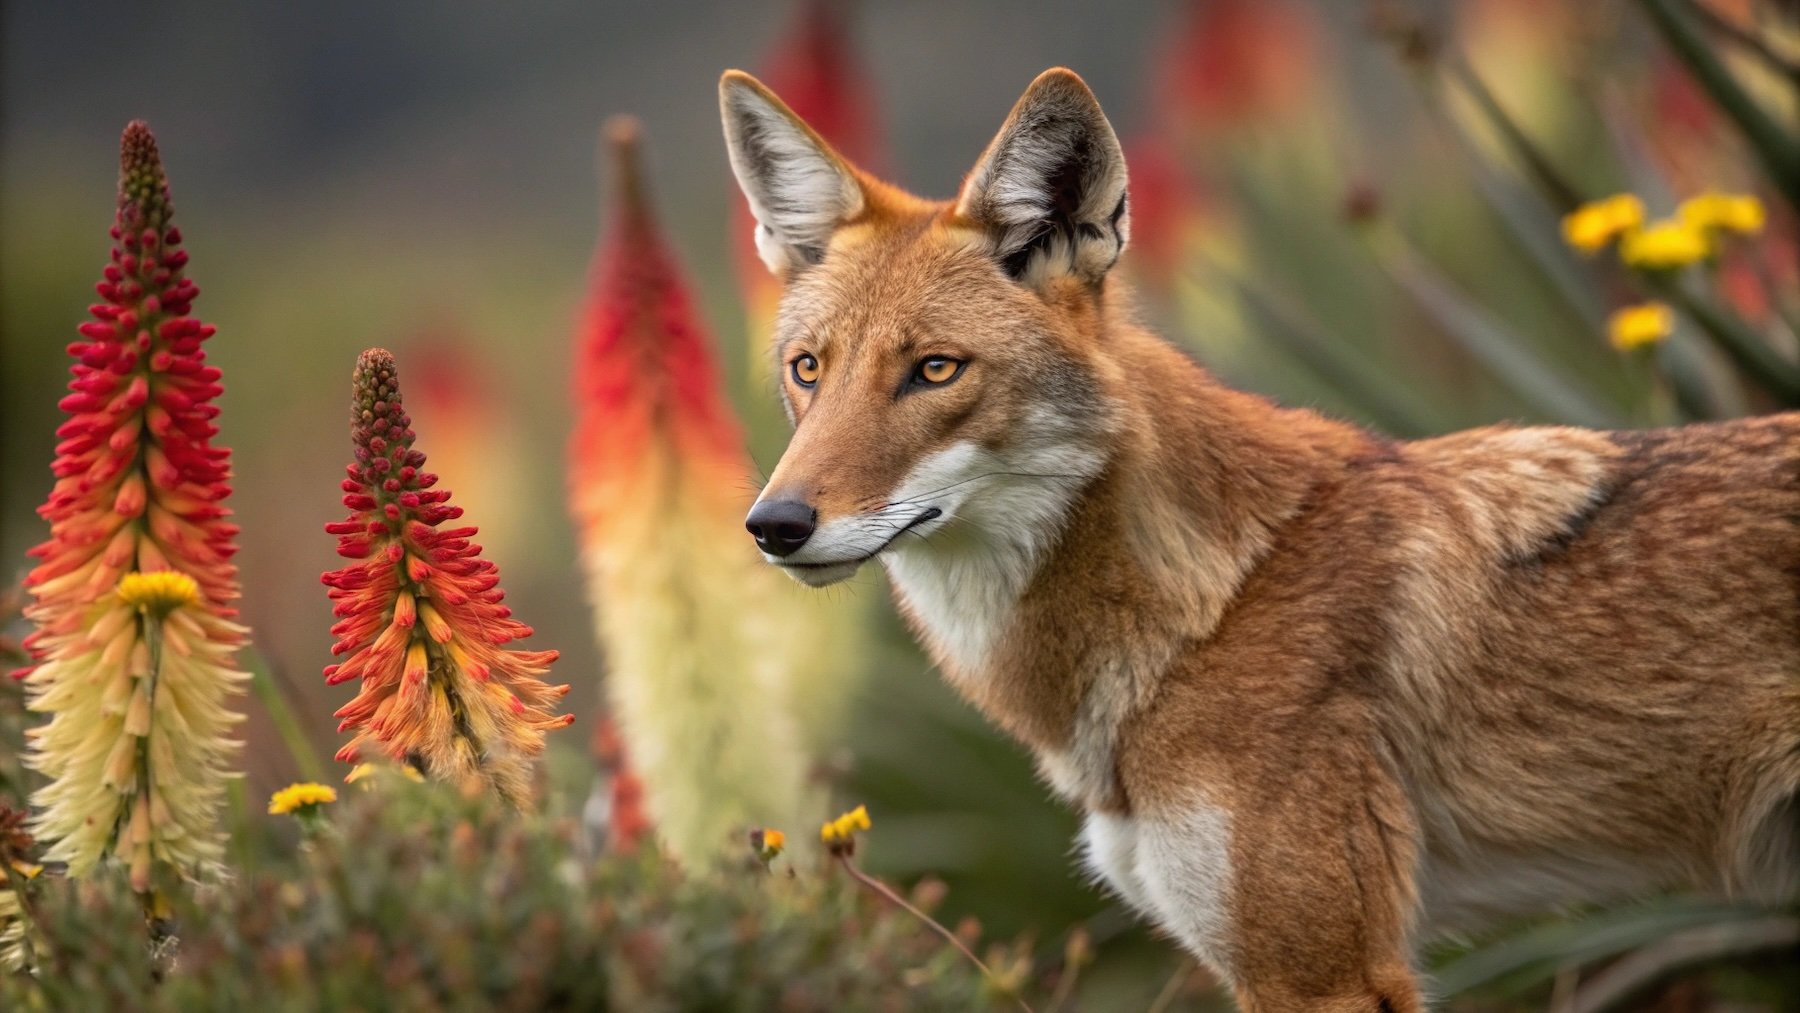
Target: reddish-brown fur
1425 681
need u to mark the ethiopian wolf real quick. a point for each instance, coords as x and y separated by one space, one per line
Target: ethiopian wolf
1319 693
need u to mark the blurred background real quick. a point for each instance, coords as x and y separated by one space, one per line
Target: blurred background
1347 205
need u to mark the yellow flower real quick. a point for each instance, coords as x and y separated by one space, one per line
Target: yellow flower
1591 226
1638 326
1725 212
300 798
774 840
359 772
843 829
1664 245
158 592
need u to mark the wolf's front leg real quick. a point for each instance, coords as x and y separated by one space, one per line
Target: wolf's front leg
1301 895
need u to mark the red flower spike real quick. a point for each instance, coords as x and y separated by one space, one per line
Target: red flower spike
421 618
645 375
108 515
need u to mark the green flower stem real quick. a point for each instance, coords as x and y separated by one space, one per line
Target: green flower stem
1339 362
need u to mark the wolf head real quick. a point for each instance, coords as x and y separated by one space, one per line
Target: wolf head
941 361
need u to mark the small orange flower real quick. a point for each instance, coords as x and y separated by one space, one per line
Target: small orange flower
767 844
421 619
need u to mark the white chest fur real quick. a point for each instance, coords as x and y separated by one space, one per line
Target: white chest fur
1175 872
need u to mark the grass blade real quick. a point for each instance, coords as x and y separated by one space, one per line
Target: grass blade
262 683
1537 953
1747 348
1775 147
1508 357
1354 375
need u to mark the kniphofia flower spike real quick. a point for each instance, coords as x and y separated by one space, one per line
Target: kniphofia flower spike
134 640
421 620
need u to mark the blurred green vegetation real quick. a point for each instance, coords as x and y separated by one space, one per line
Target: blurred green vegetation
1363 218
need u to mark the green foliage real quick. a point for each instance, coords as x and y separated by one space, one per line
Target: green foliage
417 897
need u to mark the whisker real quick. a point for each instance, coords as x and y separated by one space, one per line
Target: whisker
986 474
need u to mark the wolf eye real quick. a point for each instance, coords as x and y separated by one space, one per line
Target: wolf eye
937 370
805 370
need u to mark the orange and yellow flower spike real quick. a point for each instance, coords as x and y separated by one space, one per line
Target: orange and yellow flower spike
421 620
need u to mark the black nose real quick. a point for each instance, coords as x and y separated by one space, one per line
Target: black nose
780 526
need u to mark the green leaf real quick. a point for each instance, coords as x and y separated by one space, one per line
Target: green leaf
1507 356
1339 363
1747 348
1778 150
1536 954
262 683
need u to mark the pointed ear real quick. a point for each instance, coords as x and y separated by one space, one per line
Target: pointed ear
799 189
1050 190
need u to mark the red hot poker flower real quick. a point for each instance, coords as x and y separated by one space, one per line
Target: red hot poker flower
421 620
139 485
133 644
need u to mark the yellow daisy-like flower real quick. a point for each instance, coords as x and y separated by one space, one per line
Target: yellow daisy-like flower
1637 326
1725 212
300 798
1593 225
158 592
843 829
1664 246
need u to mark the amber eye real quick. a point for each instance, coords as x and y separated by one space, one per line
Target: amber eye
936 370
806 370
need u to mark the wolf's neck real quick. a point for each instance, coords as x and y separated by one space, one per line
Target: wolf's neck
1061 624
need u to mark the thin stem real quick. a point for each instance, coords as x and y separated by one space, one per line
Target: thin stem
1620 980
1563 194
274 697
1172 988
162 938
893 898
1065 984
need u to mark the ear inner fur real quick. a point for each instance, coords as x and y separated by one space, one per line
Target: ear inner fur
1050 191
800 190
